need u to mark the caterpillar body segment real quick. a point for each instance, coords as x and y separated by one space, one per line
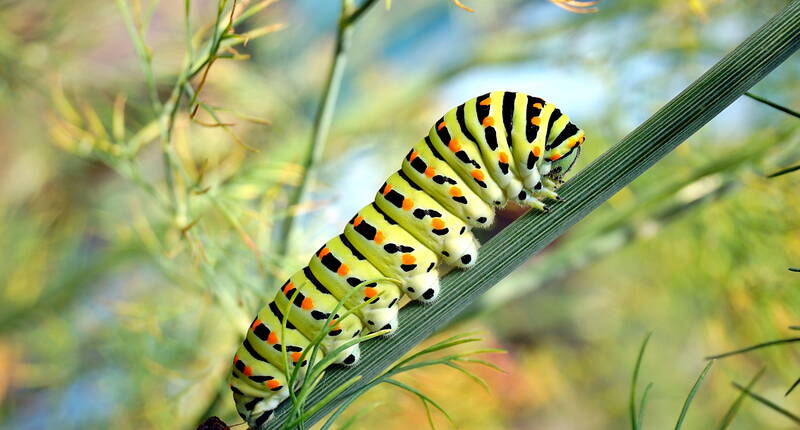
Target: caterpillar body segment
440 181
464 157
382 297
264 341
308 304
498 147
258 387
429 222
395 252
485 124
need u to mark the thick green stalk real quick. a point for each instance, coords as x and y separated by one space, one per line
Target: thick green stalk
726 81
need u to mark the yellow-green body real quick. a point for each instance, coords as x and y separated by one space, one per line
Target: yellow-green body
498 147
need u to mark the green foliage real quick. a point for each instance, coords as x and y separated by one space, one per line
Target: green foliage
415 361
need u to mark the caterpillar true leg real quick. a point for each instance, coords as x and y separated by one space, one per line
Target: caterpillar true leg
497 147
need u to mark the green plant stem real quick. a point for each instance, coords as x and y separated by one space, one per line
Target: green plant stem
145 60
720 86
323 119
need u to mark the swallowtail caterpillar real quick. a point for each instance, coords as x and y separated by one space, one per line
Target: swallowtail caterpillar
497 147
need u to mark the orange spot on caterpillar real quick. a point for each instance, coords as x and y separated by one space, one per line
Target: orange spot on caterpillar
386 189
358 220
555 157
429 172
455 191
272 339
413 155
437 223
379 237
255 324
536 120
488 121
407 204
307 304
323 252
370 292
296 356
288 287
537 105
454 145
503 157
272 384
235 358
477 174
441 125
485 102
408 258
247 371
343 270
572 143
537 151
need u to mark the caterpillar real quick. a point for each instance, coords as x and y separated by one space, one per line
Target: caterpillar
498 147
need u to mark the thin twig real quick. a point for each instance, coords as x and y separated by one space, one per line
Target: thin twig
324 117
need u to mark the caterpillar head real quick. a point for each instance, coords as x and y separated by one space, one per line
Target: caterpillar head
560 167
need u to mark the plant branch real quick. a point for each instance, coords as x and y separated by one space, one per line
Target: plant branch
726 81
323 119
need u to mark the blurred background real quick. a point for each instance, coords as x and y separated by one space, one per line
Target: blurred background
124 290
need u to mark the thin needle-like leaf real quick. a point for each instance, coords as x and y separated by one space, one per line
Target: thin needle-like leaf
425 399
643 404
796 383
773 105
754 347
734 409
692 393
781 173
769 403
635 382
